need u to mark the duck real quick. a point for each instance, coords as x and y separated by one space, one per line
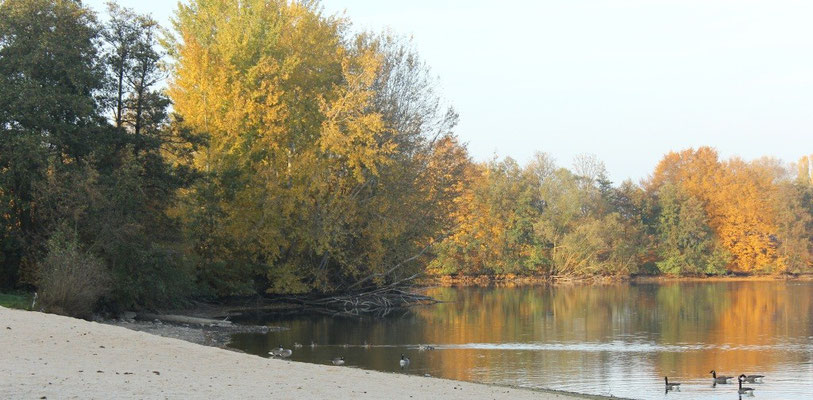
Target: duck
744 390
753 378
404 361
281 352
338 361
721 378
671 386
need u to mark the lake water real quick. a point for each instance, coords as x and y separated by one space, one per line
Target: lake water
618 340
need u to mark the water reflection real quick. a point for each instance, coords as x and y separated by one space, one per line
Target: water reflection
619 339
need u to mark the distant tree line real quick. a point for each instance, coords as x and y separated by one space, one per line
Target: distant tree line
695 215
263 147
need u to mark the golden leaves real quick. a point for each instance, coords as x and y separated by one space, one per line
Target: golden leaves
736 196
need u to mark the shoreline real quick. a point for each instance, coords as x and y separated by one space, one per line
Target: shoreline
511 280
51 356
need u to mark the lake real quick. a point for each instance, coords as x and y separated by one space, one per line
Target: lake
618 340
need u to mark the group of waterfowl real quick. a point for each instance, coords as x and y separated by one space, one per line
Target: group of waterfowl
282 352
403 362
723 379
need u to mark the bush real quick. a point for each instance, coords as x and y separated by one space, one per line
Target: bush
71 280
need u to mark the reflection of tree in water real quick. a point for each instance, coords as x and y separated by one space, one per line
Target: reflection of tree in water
674 329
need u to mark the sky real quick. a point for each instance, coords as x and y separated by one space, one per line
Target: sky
625 80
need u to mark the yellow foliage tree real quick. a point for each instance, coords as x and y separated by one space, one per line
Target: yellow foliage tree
315 182
737 198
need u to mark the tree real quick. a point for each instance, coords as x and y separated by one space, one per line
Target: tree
49 72
735 196
686 241
494 230
319 148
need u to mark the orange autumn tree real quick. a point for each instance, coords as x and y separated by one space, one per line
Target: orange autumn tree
737 198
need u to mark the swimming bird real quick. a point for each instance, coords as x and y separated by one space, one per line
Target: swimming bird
744 390
281 352
753 378
297 345
366 345
338 361
721 378
422 347
671 386
404 362
313 344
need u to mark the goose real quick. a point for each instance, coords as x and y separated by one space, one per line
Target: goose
313 344
281 352
753 378
297 345
744 390
404 362
366 345
338 361
671 386
721 378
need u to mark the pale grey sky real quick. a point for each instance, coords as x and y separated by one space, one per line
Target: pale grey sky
626 80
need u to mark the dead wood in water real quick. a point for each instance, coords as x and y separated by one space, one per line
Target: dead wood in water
379 301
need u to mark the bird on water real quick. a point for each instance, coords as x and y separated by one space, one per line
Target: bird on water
721 378
744 390
281 352
671 386
404 361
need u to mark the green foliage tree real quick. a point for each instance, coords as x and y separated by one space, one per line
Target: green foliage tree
49 71
686 242
63 164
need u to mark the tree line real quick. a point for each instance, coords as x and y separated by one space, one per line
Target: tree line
696 214
264 147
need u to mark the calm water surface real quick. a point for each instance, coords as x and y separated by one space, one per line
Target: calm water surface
615 340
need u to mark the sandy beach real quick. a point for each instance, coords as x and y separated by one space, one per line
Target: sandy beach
47 356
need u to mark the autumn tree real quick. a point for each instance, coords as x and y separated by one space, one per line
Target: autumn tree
735 196
320 147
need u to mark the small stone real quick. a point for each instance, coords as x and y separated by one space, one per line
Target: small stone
156 372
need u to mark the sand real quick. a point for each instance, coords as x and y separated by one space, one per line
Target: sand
55 357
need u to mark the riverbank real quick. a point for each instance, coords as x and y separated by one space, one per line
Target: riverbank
511 280
48 356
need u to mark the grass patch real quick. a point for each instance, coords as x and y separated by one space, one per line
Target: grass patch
19 300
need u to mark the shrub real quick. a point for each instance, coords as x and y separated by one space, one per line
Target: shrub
71 280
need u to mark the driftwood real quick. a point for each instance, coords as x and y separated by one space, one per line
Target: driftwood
183 319
380 301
